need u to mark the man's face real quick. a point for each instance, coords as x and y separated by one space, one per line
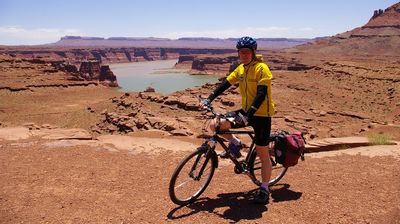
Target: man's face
245 55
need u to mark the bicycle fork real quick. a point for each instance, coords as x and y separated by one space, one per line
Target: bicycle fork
208 154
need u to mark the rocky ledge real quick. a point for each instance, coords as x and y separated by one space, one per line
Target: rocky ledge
28 74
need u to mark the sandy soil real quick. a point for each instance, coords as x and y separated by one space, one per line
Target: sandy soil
53 181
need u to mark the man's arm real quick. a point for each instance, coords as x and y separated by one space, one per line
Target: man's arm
220 89
260 97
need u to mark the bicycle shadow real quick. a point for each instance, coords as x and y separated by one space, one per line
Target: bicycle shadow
281 192
239 205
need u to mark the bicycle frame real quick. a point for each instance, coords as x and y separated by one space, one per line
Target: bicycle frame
240 166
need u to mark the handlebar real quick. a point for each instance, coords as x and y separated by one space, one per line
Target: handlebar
213 114
209 108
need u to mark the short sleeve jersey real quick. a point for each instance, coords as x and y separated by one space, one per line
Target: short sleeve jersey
249 77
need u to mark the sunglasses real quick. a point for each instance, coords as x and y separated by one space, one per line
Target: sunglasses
245 51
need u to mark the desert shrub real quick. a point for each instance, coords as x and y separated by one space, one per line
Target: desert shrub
379 139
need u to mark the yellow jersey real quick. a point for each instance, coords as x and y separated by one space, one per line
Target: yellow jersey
249 77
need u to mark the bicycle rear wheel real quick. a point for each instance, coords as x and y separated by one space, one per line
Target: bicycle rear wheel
192 176
278 171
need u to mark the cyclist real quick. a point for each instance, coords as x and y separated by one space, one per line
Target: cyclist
254 78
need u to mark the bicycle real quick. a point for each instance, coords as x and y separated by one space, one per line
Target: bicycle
194 173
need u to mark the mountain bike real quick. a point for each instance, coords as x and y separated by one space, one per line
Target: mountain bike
194 173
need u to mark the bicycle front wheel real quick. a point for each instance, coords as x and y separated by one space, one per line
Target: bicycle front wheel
192 176
278 171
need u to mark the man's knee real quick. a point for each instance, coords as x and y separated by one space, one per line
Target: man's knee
212 125
223 125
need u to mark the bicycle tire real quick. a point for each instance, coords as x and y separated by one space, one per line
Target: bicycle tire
199 158
278 171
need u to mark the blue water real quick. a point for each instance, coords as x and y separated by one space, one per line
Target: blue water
158 74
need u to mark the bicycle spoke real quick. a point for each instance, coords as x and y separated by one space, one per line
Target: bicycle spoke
191 178
179 185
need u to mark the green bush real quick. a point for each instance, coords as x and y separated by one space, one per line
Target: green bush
379 139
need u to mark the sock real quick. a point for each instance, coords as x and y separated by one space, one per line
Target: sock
235 141
265 186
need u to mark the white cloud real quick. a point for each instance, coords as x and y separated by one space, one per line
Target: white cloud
258 32
21 36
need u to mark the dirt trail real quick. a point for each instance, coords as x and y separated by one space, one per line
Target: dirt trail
48 180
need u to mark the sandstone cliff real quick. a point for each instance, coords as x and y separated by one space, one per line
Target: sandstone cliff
380 36
224 64
92 63
106 55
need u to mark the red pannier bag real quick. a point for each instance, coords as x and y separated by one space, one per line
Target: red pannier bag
289 148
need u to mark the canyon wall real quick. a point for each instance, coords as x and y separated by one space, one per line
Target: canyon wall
106 55
91 64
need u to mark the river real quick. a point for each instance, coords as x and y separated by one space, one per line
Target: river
158 74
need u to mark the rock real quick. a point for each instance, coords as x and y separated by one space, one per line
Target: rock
29 124
289 119
313 135
48 126
188 103
166 124
322 113
112 128
185 58
121 108
152 96
192 106
95 129
125 103
181 133
132 114
149 89
106 74
201 63
63 134
91 110
171 100
14 133
34 127
227 102
90 70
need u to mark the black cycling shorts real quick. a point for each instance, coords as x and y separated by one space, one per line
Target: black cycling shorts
261 126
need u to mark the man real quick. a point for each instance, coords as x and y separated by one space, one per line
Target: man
254 78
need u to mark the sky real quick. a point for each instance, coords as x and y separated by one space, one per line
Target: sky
30 22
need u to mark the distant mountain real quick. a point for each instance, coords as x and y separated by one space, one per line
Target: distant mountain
382 23
186 42
380 36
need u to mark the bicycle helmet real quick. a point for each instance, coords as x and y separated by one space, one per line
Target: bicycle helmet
246 42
